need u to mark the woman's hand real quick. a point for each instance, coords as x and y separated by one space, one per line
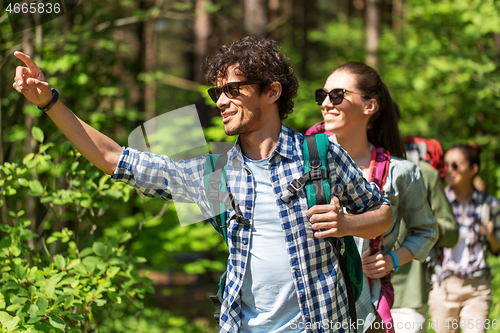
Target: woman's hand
31 82
487 229
377 265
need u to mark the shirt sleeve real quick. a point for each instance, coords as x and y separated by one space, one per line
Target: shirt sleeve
160 176
355 193
416 212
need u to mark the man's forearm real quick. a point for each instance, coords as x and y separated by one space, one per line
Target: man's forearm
371 223
96 147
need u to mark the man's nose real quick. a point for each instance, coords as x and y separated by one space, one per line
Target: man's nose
223 101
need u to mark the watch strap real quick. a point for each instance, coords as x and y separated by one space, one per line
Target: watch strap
55 97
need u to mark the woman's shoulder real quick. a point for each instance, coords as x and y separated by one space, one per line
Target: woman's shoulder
399 167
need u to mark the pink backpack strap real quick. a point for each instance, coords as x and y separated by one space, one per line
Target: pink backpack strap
378 170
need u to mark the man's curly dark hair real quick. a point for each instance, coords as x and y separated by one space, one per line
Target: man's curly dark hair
259 60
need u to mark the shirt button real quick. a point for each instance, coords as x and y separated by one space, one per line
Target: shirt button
247 207
245 242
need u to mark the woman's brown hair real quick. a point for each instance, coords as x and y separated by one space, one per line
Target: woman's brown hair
382 128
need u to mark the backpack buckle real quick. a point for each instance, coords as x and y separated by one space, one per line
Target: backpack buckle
316 173
212 195
295 186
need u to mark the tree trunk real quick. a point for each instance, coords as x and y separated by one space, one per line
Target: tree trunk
149 66
372 32
397 14
307 24
147 63
273 7
202 31
255 18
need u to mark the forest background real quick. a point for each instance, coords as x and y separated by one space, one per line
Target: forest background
75 247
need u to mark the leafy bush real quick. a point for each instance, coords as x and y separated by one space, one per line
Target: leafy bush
68 292
76 289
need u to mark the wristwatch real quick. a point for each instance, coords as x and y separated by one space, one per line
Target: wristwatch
55 97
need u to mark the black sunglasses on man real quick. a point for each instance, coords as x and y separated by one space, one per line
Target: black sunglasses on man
231 89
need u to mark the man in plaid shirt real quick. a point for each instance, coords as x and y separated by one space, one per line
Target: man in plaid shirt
283 275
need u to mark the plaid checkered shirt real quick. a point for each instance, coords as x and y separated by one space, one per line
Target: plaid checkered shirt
319 283
472 246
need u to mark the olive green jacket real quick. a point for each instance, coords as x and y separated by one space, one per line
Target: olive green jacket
410 287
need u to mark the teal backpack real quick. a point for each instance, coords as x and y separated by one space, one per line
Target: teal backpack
315 148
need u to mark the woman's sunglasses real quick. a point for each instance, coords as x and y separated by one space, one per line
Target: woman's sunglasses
231 89
336 95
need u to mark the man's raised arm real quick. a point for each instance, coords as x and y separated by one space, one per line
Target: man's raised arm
96 147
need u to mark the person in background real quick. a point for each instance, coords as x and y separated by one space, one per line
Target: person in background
358 110
412 282
463 294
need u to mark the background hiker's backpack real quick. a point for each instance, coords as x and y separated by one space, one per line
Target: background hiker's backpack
428 150
315 150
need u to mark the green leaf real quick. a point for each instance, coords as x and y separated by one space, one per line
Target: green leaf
124 237
50 289
33 320
36 187
28 158
45 147
57 322
112 271
42 304
46 199
60 262
51 239
76 317
37 134
23 182
99 249
85 252
20 272
140 259
100 302
33 310
14 307
12 324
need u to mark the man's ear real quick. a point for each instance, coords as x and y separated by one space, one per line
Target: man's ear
371 106
273 92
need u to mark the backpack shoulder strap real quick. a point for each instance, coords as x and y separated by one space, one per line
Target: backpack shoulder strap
215 184
314 149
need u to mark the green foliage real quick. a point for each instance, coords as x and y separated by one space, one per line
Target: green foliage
69 291
72 290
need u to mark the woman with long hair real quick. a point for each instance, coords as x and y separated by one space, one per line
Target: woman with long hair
359 112
461 297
